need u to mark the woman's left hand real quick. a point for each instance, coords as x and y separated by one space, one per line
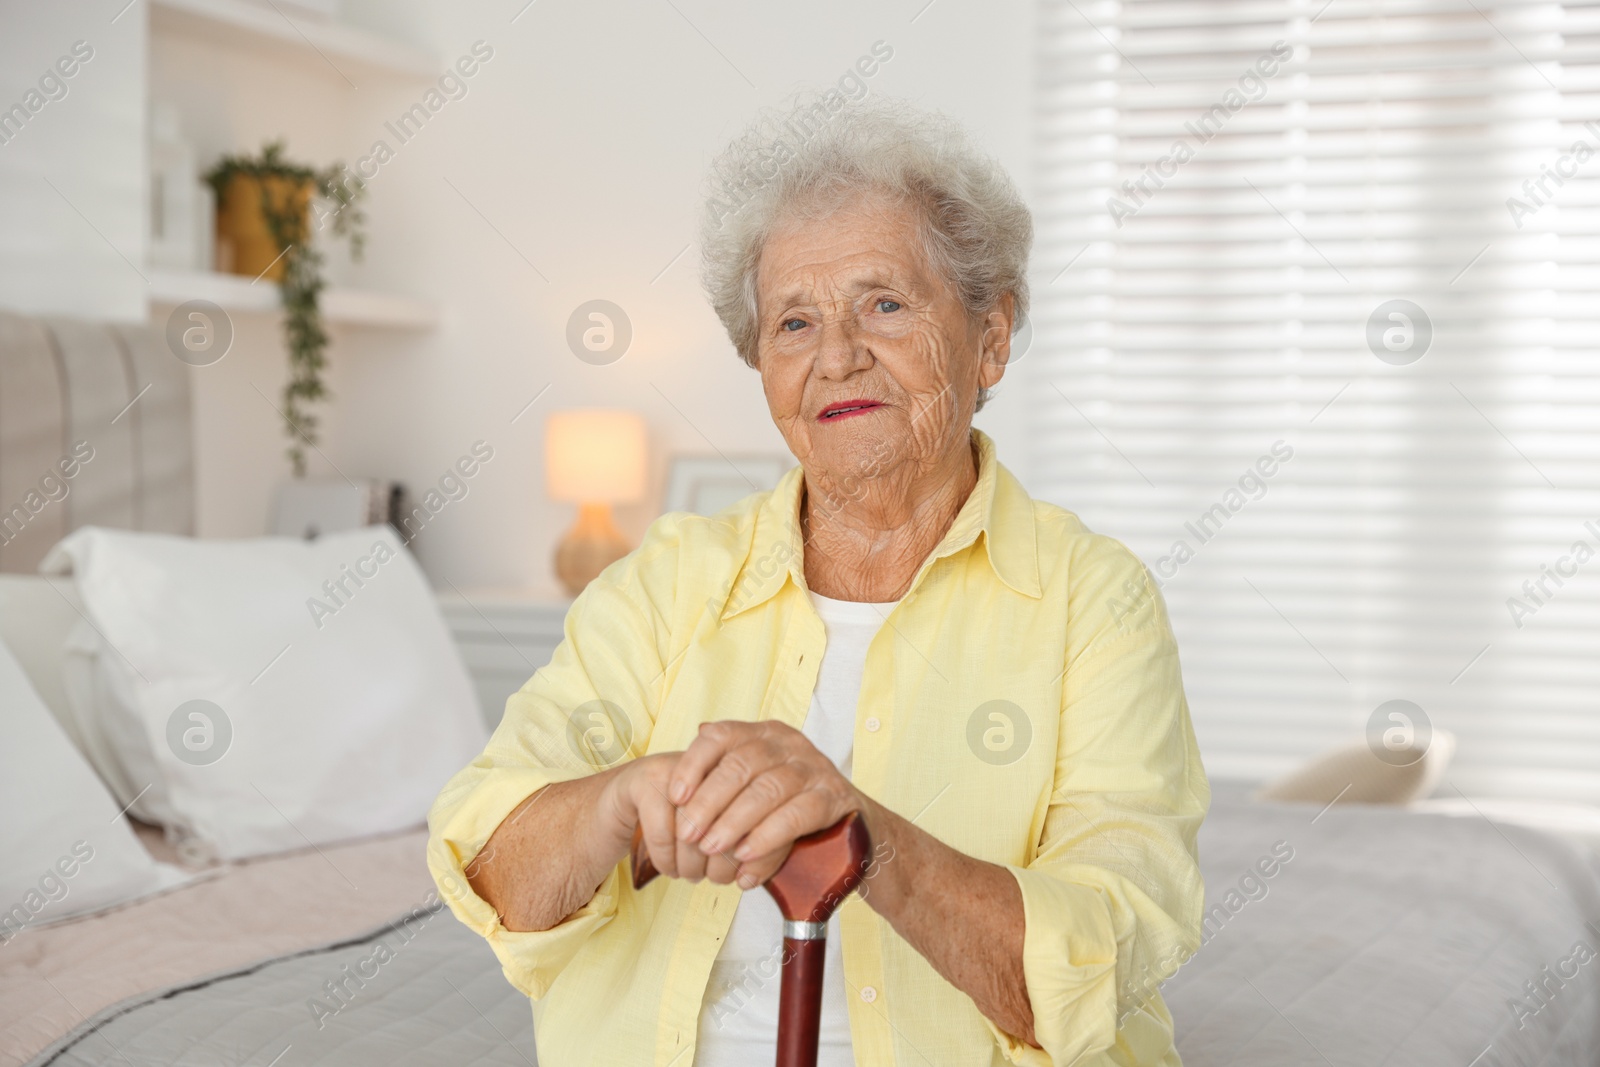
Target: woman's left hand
745 791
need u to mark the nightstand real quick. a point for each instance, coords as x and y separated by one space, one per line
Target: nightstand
504 635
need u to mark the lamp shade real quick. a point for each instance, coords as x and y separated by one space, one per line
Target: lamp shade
595 456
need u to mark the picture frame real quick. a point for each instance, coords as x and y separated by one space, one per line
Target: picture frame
705 485
307 508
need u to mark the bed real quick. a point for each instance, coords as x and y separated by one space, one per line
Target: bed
1450 934
1392 936
1389 937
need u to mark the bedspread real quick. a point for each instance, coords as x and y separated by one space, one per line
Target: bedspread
1389 938
52 978
1347 937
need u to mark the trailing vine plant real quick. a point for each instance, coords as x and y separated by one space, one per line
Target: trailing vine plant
292 217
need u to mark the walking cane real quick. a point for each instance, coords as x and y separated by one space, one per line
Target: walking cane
820 872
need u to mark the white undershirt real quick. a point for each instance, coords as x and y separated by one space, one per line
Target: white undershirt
739 1015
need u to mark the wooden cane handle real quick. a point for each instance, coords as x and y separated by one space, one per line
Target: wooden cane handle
820 871
644 872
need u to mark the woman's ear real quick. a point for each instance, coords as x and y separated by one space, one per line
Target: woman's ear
995 344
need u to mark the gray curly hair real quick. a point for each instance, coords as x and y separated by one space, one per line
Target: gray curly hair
823 151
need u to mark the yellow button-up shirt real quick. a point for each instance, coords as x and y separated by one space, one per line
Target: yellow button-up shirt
1022 703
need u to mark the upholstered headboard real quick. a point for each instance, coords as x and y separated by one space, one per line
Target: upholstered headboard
94 429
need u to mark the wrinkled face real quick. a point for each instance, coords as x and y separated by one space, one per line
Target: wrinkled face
870 363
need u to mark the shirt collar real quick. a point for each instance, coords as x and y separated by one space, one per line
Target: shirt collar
998 509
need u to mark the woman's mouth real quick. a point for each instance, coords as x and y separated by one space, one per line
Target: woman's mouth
846 408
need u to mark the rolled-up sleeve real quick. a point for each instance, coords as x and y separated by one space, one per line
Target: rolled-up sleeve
1113 899
591 707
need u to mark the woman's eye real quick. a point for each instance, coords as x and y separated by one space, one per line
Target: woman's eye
792 325
888 305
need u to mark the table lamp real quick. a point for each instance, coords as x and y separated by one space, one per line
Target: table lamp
594 459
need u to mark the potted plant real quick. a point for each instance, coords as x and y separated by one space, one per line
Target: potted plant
264 216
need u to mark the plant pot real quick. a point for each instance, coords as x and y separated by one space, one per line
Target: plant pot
245 244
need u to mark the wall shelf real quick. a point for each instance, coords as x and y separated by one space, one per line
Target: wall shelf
239 295
241 22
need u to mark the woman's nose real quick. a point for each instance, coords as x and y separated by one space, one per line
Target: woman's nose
844 349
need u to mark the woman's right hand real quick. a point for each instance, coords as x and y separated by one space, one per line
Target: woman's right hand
636 796
548 856
545 860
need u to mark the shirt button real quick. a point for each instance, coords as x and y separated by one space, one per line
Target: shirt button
872 725
868 994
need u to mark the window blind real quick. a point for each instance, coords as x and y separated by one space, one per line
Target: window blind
1317 315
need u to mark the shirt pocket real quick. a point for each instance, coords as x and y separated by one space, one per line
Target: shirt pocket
736 669
972 756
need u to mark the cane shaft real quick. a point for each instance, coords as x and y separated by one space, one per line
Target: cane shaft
821 870
800 1001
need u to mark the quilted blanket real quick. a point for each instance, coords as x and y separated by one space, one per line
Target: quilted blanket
1347 937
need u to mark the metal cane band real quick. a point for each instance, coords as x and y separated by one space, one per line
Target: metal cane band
802 931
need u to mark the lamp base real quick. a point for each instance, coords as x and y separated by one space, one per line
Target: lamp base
592 545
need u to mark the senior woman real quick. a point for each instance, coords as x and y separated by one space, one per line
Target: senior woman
897 630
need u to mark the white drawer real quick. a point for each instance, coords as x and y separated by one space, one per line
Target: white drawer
503 638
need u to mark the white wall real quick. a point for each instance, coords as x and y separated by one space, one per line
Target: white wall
583 141
72 177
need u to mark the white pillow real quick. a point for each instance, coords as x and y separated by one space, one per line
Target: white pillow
1355 775
264 695
68 850
36 614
